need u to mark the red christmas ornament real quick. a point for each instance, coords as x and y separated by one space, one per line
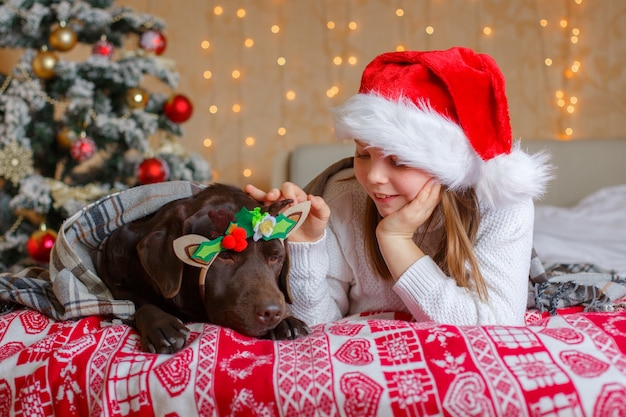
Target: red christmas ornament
40 244
153 41
178 108
103 48
83 149
153 170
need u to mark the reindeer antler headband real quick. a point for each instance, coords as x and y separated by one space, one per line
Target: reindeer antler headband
197 250
255 224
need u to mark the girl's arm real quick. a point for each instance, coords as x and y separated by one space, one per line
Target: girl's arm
503 251
319 280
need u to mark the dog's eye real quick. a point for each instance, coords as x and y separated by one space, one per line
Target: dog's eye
274 259
226 257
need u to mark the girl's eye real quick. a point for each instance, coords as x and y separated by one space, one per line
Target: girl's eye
394 162
361 155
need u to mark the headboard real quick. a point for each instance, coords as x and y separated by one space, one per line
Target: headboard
583 166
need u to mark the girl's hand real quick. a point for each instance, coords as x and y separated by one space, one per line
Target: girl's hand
313 228
395 231
286 191
405 221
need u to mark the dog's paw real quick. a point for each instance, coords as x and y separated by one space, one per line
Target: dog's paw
160 332
288 329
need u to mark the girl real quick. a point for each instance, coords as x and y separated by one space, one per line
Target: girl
436 215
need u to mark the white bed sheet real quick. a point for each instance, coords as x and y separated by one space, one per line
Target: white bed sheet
592 231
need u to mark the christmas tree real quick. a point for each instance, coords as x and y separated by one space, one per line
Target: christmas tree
74 130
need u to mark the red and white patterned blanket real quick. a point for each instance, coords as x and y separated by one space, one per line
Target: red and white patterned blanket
378 364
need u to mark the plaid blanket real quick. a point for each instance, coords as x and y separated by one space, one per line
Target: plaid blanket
577 284
71 289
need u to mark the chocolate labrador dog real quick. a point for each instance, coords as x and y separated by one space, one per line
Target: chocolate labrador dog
216 257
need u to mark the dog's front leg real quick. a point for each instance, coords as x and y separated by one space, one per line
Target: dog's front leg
160 331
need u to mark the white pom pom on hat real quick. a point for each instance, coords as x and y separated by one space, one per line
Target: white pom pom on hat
445 112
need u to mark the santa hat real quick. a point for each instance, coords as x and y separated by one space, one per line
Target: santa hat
445 112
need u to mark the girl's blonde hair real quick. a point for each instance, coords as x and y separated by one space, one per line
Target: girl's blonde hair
454 252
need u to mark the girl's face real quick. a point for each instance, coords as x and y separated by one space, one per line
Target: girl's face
389 185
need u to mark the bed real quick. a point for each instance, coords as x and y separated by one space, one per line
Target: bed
569 360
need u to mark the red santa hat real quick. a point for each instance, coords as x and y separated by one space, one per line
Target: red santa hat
445 112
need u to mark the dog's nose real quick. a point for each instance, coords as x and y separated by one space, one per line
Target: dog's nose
269 314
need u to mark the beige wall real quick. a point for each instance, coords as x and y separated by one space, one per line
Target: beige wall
518 42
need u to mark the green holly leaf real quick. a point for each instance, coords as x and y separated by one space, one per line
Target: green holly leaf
244 219
281 228
207 250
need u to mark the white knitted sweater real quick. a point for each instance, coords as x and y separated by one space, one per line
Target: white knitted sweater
333 277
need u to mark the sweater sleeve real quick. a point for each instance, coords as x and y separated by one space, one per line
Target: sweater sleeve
319 282
503 251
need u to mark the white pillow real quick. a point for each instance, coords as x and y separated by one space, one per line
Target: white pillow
592 231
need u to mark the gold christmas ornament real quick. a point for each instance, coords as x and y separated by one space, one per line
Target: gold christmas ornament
62 38
137 98
66 137
44 63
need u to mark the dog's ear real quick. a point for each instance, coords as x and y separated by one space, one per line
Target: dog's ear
297 213
157 256
283 277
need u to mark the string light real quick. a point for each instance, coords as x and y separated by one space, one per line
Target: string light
566 105
340 24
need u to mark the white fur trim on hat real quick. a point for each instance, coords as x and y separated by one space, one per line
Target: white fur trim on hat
422 138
